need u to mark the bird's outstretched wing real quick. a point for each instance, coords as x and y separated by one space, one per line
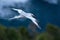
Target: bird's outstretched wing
16 17
15 9
18 10
34 21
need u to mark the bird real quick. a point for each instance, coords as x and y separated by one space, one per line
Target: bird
23 14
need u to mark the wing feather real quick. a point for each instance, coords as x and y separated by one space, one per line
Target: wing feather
16 17
34 21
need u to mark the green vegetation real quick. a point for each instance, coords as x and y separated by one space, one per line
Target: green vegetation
52 33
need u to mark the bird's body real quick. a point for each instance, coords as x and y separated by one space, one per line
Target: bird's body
26 15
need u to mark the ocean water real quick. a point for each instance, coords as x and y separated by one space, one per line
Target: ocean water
44 12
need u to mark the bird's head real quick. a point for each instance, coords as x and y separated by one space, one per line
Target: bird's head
33 15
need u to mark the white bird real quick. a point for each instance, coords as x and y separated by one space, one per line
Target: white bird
26 15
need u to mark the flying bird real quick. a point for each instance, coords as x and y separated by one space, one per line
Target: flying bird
23 14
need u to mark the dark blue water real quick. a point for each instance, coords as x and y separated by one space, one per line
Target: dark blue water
44 12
